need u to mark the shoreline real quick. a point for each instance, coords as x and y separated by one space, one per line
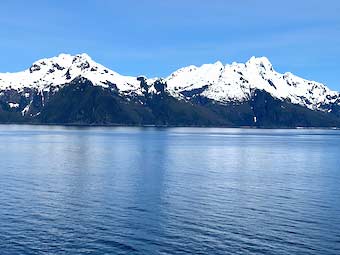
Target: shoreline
163 126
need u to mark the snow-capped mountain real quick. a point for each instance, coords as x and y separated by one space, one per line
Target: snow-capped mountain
56 71
76 89
222 83
235 82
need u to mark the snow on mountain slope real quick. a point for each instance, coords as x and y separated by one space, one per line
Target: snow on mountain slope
223 83
56 71
235 82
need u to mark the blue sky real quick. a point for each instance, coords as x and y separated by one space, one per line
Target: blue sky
155 37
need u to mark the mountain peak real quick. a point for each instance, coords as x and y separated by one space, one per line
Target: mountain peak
262 62
67 56
82 58
61 62
218 63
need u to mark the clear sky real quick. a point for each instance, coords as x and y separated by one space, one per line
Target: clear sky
155 37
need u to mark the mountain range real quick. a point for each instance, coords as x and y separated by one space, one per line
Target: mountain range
76 90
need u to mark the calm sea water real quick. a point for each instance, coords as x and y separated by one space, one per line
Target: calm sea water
168 191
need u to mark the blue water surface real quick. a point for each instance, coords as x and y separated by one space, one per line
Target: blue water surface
68 190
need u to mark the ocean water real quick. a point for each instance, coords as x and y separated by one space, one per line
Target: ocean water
68 190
